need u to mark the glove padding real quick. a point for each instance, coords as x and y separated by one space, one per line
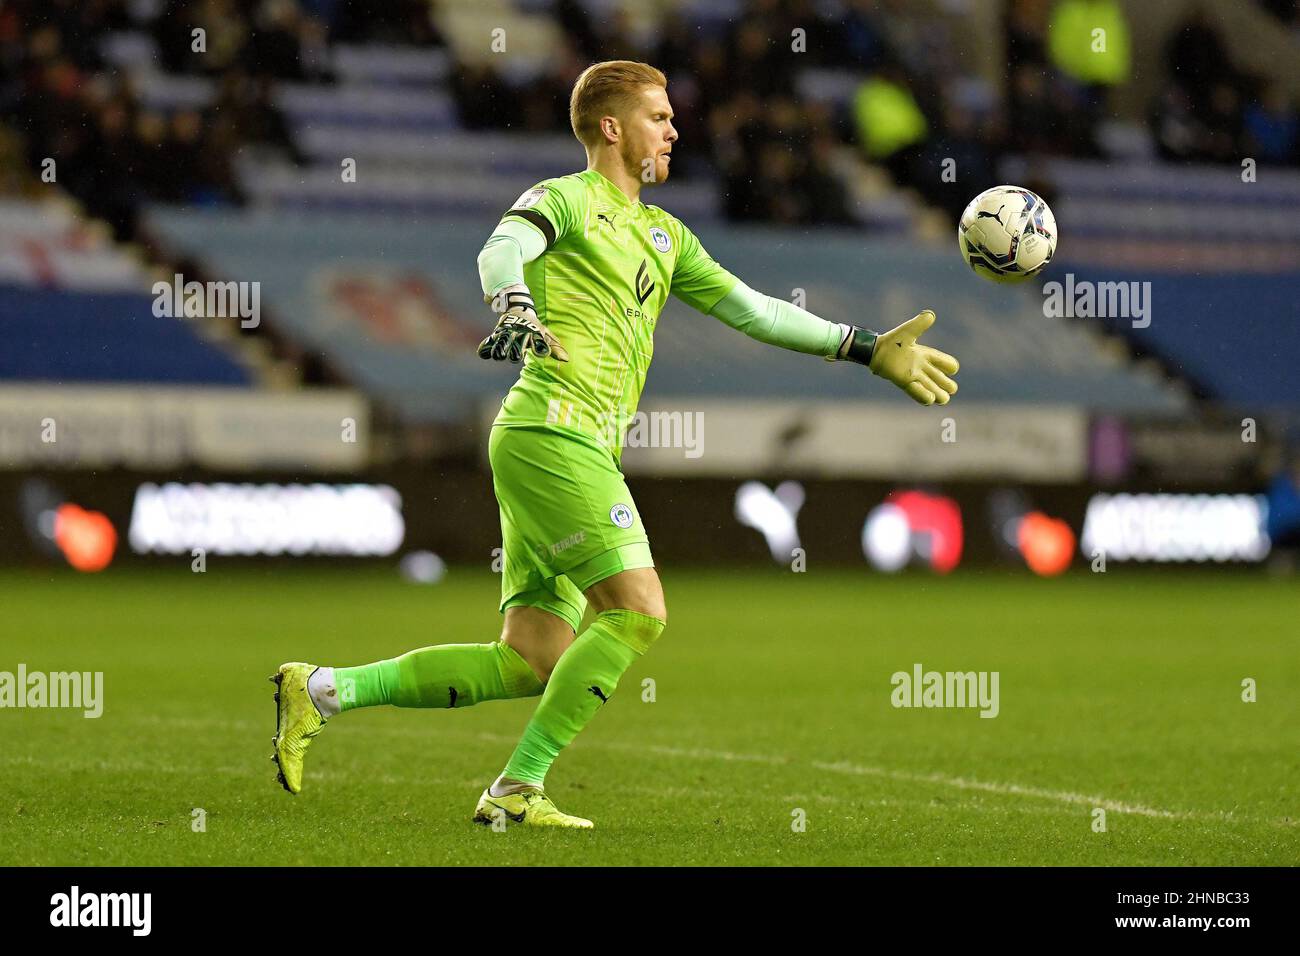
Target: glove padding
920 371
518 330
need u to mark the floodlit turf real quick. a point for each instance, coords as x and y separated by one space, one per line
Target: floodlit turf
772 695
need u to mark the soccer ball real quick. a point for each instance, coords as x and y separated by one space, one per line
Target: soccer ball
1007 234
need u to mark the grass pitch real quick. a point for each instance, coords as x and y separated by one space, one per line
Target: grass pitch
771 696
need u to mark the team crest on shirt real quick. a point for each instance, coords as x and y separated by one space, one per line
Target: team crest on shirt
661 240
530 198
621 515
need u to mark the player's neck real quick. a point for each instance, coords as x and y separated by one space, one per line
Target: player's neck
611 167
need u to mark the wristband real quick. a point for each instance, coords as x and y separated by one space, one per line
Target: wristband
858 346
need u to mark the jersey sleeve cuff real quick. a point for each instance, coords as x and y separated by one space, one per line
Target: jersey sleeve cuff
732 283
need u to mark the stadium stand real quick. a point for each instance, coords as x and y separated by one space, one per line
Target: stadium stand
73 308
1200 324
67 337
48 244
444 130
395 304
1174 218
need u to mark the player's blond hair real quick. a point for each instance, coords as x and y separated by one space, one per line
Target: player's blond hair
605 89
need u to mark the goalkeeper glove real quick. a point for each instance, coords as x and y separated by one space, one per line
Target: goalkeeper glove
920 371
518 329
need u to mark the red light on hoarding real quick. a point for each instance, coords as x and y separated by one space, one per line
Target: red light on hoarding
1046 543
86 538
937 521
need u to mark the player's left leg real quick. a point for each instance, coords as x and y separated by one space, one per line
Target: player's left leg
630 616
567 502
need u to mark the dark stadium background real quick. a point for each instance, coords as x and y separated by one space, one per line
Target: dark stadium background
814 168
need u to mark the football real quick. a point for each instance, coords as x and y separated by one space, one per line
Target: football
1007 234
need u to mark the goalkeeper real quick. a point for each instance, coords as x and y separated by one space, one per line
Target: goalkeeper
579 270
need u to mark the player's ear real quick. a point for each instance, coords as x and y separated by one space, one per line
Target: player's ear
609 128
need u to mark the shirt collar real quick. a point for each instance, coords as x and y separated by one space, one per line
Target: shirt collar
608 186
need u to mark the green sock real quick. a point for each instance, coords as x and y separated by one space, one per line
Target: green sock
448 675
585 677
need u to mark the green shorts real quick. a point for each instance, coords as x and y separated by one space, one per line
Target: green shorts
568 520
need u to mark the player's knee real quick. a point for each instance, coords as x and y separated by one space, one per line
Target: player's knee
538 637
539 661
655 608
637 590
647 602
635 628
652 603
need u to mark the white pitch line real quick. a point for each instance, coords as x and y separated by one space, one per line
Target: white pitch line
1017 790
316 778
843 767
960 783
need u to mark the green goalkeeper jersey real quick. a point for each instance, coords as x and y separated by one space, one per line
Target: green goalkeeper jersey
600 286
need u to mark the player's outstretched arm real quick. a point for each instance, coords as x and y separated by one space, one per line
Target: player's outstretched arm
501 273
922 372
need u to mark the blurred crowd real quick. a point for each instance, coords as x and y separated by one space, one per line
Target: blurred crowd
1055 99
1213 111
742 110
738 87
738 111
112 152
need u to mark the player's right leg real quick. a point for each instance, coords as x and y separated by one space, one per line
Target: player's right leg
540 618
445 676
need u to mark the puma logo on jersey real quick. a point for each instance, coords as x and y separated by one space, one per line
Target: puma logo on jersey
608 219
